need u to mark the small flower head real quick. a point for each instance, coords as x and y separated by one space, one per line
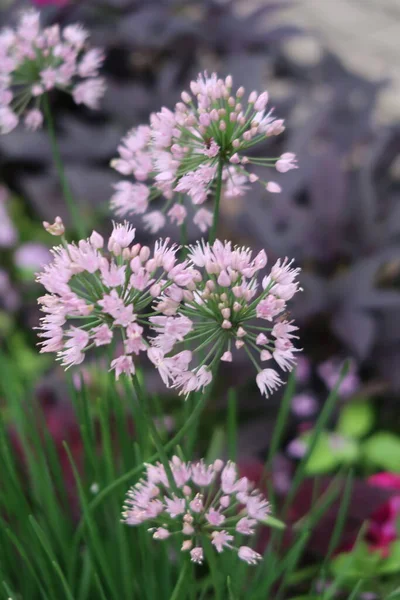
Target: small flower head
36 60
180 150
57 228
198 508
225 309
95 296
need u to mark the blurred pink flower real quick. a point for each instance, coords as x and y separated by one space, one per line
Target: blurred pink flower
8 233
329 371
32 256
304 405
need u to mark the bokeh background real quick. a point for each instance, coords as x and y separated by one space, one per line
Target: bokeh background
331 69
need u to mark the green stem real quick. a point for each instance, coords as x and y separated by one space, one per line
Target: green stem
144 407
176 594
68 197
217 199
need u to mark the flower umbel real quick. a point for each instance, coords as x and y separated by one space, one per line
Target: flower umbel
95 294
227 311
34 61
209 502
178 154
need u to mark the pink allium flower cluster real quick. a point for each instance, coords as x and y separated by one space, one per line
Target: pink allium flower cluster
180 152
34 61
228 311
205 502
93 295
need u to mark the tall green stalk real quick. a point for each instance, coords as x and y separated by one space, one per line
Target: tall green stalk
217 200
152 429
66 190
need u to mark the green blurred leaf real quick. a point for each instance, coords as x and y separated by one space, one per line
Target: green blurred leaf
321 459
330 452
383 450
356 419
360 563
391 564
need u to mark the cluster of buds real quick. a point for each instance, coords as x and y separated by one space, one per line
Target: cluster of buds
93 294
183 152
226 312
34 61
196 501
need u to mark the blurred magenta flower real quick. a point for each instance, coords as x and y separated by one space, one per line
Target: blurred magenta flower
383 524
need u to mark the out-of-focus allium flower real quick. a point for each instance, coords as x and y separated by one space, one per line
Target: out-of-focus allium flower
94 294
50 2
227 311
329 371
184 151
32 256
34 61
8 296
205 502
304 405
8 233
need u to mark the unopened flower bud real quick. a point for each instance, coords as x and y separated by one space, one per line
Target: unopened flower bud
261 102
155 290
231 101
227 356
188 296
237 306
161 534
253 177
236 143
225 501
252 97
187 545
186 97
135 250
224 279
241 332
265 355
210 285
151 265
235 159
218 465
214 115
187 530
226 313
228 81
96 240
240 92
226 324
273 187
239 344
222 126
144 254
261 339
